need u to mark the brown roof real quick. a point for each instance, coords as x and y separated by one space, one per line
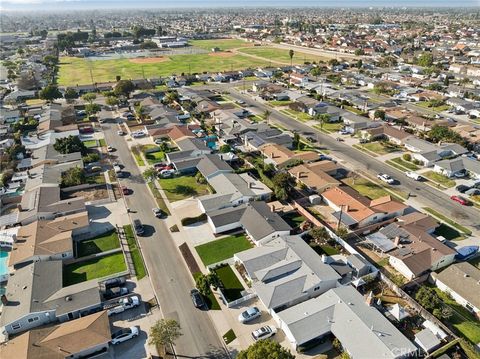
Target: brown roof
313 177
280 154
61 340
178 132
420 220
44 238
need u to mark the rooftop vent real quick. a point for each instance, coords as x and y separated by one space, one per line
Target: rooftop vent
68 298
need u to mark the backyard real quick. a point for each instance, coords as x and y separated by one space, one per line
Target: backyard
439 178
102 243
232 288
221 249
93 268
294 219
135 252
182 187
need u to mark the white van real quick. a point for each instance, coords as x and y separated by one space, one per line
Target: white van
117 169
413 175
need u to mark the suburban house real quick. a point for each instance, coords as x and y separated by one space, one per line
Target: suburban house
190 149
47 155
211 165
254 140
411 248
356 123
389 133
35 296
322 108
355 211
34 141
44 240
286 271
79 338
312 177
44 203
259 222
462 282
280 156
428 153
458 167
344 313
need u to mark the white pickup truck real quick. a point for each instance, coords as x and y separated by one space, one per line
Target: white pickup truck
124 304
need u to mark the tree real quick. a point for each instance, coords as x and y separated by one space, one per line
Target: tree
165 332
445 134
322 118
111 101
73 177
199 178
124 87
407 157
70 94
425 59
50 93
342 232
50 60
89 97
266 115
359 52
225 149
428 298
14 150
170 97
150 174
333 62
359 64
69 144
282 182
380 114
92 108
91 157
203 284
265 349
291 53
316 71
319 234
296 141
140 112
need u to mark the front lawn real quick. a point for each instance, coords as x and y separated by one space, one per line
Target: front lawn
137 156
232 288
178 188
366 187
329 127
221 249
380 147
448 221
102 243
439 178
297 115
280 103
90 143
135 252
97 179
102 143
155 157
93 268
408 165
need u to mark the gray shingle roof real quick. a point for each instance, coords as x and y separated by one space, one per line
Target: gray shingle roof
210 164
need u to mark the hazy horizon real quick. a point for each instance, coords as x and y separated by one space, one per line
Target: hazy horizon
48 5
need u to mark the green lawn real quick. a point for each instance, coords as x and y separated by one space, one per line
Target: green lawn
158 198
408 165
366 187
210 299
221 249
98 244
232 288
380 148
137 156
93 268
280 103
90 143
281 55
97 179
425 104
135 252
329 127
102 142
448 232
182 187
76 71
154 157
448 220
229 336
222 44
294 219
439 178
325 249
463 321
353 109
297 115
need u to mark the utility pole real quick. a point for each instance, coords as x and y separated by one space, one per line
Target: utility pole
340 217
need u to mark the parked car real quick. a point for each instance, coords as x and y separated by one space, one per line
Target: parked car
476 185
115 292
138 227
264 332
325 158
413 175
197 298
249 315
167 173
160 165
124 304
460 174
461 200
124 335
473 192
385 178
311 139
114 282
158 141
462 188
125 190
110 149
343 132
121 174
158 212
120 133
117 169
95 169
138 134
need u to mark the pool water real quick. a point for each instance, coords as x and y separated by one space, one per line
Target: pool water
3 263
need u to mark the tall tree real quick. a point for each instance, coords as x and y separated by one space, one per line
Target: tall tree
50 93
124 87
165 332
265 349
266 115
290 54
89 97
150 174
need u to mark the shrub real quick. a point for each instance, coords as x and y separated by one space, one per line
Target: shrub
191 220
407 157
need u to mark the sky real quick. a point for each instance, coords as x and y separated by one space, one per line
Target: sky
90 4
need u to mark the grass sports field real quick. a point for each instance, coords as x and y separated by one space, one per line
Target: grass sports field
223 44
76 71
271 53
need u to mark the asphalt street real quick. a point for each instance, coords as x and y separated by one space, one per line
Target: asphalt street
421 192
171 279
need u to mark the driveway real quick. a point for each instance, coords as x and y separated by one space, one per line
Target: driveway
169 275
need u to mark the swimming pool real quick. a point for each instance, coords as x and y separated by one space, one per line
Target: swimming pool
3 266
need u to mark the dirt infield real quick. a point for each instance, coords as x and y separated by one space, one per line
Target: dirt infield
222 54
149 60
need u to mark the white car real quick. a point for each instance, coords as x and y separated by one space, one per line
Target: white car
385 178
167 173
413 175
124 335
138 134
120 133
264 332
124 304
250 314
109 149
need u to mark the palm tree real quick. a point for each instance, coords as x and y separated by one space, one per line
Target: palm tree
266 115
322 118
291 53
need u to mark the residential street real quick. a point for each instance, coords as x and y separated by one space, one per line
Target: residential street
423 194
171 280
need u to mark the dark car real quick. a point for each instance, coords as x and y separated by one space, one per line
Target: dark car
138 227
462 188
197 298
115 292
114 282
476 185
